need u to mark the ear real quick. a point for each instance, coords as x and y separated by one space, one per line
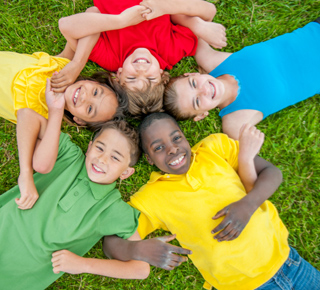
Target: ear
191 74
128 172
200 117
149 159
79 121
119 71
89 146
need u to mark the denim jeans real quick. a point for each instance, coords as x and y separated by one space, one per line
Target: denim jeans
295 274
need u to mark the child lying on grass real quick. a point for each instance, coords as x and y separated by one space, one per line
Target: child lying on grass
236 237
141 52
78 205
249 85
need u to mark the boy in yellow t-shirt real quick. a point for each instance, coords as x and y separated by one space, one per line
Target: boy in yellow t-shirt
219 186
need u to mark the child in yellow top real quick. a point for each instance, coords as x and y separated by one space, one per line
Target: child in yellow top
206 190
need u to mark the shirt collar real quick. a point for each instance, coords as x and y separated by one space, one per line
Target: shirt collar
99 191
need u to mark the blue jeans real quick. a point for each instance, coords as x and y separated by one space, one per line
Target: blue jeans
295 274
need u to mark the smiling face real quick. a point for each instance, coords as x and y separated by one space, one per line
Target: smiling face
167 147
139 69
88 101
108 157
199 93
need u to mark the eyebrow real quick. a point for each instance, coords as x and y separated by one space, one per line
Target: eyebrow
158 140
193 100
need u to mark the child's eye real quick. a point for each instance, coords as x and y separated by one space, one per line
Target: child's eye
193 83
158 148
89 109
131 78
151 79
95 92
176 138
115 158
197 102
99 148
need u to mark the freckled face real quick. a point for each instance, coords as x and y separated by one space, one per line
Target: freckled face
167 147
107 157
90 102
139 69
199 93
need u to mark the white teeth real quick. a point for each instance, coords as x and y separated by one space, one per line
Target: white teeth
97 168
177 161
213 90
141 60
76 96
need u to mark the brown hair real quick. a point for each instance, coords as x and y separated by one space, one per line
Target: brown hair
148 100
170 100
129 133
104 79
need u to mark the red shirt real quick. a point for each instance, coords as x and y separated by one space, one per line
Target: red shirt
167 42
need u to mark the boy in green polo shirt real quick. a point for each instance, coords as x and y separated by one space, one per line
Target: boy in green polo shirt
78 202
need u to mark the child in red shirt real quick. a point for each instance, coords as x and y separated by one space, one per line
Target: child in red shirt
141 52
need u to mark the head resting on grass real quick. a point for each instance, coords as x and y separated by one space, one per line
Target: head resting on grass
164 143
91 101
113 152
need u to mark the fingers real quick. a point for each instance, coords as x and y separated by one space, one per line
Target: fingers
48 85
57 261
221 226
221 213
26 201
173 261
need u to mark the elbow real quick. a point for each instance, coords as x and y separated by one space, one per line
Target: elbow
41 167
279 175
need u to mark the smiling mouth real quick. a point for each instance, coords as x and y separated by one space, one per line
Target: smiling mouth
97 169
75 97
213 89
141 60
178 161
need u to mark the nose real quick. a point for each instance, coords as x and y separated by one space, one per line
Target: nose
173 149
203 90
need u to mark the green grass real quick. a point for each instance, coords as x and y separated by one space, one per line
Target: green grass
292 135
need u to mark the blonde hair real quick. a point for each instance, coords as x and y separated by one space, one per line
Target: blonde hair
148 100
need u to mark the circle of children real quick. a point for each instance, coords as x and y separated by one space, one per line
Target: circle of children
221 181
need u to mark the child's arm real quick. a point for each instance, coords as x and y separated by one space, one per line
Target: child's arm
200 8
157 251
69 262
82 33
250 142
238 214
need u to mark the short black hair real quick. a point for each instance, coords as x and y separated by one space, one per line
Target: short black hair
147 122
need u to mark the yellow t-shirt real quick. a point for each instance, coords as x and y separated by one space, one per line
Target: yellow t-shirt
23 82
185 205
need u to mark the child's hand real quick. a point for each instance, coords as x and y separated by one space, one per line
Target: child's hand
134 15
250 142
237 215
159 253
28 191
66 77
158 8
55 101
66 261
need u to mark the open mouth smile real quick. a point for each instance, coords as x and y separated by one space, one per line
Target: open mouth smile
141 60
178 161
97 169
75 97
213 88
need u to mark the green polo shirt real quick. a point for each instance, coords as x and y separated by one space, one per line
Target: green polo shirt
71 213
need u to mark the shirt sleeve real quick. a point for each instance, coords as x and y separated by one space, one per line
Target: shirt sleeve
120 219
148 222
225 147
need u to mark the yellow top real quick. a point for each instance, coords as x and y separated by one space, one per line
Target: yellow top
23 82
185 204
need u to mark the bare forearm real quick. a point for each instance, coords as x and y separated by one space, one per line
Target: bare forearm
115 268
83 24
118 248
267 182
247 173
46 152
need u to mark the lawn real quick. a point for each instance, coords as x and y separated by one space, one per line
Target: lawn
292 136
